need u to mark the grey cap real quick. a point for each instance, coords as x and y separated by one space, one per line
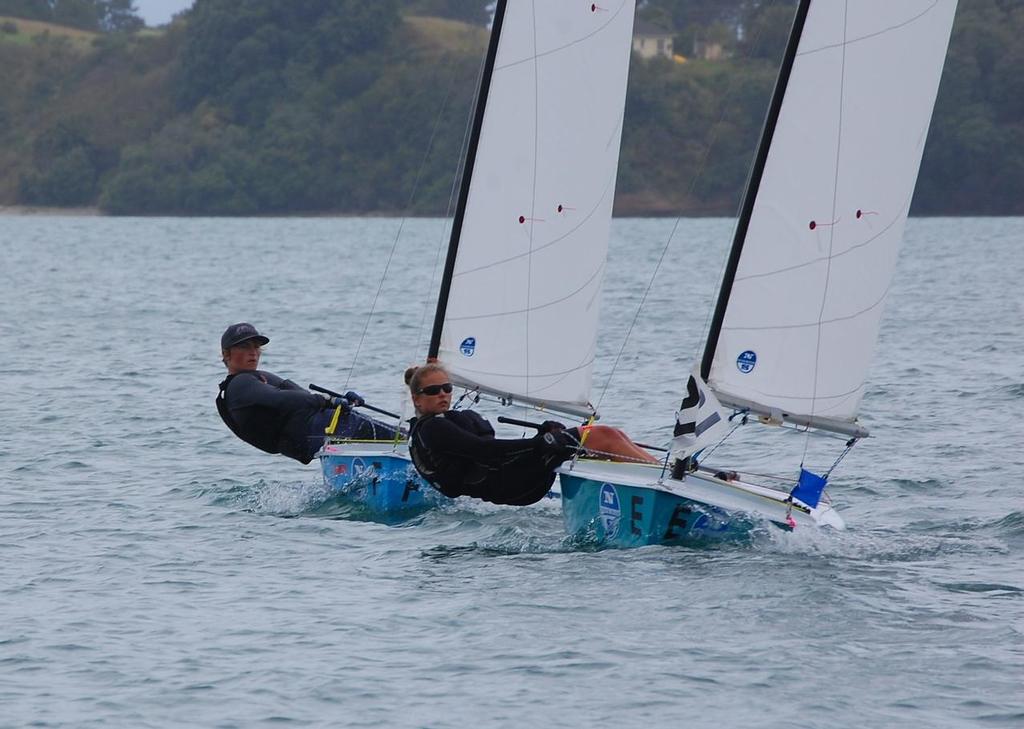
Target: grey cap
241 332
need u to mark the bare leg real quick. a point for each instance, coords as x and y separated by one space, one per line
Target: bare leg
616 445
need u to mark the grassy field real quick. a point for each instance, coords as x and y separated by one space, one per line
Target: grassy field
26 30
449 35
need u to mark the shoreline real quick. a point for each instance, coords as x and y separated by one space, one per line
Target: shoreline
82 212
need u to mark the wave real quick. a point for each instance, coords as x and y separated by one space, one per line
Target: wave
995 589
1013 391
916 486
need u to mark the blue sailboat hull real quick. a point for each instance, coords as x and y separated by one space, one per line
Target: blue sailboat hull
633 516
378 477
622 505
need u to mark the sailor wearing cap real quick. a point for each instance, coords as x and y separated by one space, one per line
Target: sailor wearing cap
276 415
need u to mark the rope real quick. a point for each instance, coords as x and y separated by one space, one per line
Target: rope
463 396
401 226
770 477
849 447
617 457
583 451
452 196
713 138
724 438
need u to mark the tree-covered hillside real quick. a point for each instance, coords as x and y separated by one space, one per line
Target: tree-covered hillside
264 107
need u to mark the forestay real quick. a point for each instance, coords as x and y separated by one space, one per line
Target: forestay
521 315
803 297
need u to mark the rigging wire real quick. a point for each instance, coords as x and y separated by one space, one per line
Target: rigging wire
713 138
401 226
452 196
849 447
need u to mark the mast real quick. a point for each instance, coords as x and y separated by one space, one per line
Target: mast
467 176
753 184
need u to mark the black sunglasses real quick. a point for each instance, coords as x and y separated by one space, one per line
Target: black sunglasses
435 389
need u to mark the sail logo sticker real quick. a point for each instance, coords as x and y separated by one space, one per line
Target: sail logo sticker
609 509
468 346
746 361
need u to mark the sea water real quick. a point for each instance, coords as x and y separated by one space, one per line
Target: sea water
157 572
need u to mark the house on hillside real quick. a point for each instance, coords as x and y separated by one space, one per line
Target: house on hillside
650 41
708 50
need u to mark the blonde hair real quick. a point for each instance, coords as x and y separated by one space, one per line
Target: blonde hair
414 375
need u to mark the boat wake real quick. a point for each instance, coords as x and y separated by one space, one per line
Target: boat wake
886 545
289 500
274 498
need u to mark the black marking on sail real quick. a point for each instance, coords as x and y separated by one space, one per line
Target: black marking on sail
694 397
694 401
707 423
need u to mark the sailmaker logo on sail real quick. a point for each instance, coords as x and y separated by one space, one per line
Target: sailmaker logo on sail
468 346
746 361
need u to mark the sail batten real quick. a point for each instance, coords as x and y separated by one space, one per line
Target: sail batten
524 273
818 238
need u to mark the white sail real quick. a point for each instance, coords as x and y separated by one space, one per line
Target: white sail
815 266
521 316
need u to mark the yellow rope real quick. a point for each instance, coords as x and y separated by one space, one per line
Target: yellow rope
585 430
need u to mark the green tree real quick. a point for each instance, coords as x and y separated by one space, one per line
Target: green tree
65 170
28 9
119 16
231 42
766 29
468 11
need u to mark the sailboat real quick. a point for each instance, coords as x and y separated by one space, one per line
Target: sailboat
799 308
517 311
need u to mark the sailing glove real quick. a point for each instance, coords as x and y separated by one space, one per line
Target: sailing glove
340 402
551 426
557 445
355 399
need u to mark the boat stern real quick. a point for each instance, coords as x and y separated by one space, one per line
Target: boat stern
379 477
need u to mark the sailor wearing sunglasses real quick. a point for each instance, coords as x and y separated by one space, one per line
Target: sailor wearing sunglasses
457 452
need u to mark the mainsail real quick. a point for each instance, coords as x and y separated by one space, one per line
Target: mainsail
823 216
518 310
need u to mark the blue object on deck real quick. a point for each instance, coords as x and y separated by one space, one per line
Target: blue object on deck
809 488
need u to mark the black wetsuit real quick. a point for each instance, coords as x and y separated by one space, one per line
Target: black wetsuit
457 452
278 416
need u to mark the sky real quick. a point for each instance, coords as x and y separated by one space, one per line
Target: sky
158 12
